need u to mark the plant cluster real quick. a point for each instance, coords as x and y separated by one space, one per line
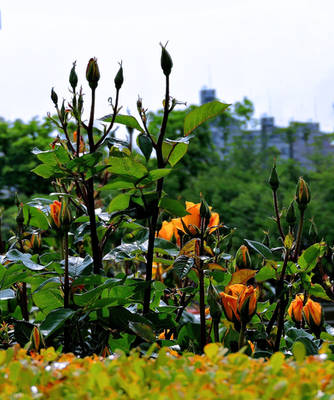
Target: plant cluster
213 375
109 261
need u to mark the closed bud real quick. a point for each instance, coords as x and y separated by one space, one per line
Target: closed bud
65 215
80 102
290 215
313 315
73 77
303 194
243 258
214 303
139 105
166 61
204 211
36 242
36 339
92 73
295 309
63 112
54 97
273 179
119 79
20 217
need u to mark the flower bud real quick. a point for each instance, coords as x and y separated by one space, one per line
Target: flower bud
55 212
313 315
303 194
80 102
273 179
73 77
119 79
36 242
54 97
36 339
139 105
92 73
295 309
247 302
20 216
242 258
205 212
214 304
166 61
290 214
65 215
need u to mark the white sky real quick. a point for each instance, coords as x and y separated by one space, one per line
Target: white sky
277 53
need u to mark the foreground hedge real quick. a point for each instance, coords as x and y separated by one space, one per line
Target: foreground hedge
211 376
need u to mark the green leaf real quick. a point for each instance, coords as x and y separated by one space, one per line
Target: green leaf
22 332
79 266
174 207
7 294
45 170
156 174
142 330
309 258
201 114
15 255
179 150
260 248
55 320
118 183
119 203
84 163
145 145
318 291
299 351
123 343
124 165
90 296
127 120
183 265
35 217
52 157
265 273
189 337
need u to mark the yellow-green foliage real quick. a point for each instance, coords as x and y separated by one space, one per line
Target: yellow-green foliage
212 376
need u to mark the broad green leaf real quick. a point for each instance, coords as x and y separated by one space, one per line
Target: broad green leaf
127 120
260 248
125 165
174 207
265 273
15 255
52 157
35 217
309 258
45 170
201 114
318 291
183 265
145 145
7 294
118 183
84 163
142 330
14 273
55 320
90 296
156 174
22 332
119 203
179 150
80 266
123 343
189 337
48 299
299 351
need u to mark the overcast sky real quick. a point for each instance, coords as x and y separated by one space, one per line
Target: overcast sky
277 53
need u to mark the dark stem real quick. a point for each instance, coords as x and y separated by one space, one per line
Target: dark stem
299 234
202 289
66 275
90 124
97 255
278 218
155 211
23 292
242 335
216 330
272 319
280 324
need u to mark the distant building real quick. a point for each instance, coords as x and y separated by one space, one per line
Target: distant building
297 141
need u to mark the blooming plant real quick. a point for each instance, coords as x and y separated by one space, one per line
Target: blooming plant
109 261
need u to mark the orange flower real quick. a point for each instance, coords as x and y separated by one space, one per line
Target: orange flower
167 230
296 308
230 307
55 208
192 220
82 143
313 313
239 302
